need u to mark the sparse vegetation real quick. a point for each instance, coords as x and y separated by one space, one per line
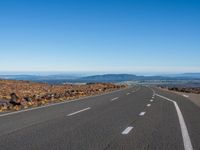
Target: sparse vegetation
195 90
15 95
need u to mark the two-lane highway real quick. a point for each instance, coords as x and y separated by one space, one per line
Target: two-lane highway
133 118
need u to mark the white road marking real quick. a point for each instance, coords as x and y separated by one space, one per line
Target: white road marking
114 99
185 95
59 103
185 135
154 93
142 113
127 93
74 113
151 100
148 105
127 130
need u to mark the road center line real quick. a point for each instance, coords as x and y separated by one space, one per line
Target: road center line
142 113
185 95
114 99
78 111
127 130
148 105
185 135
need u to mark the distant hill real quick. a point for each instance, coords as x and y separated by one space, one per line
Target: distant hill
108 78
40 77
129 77
190 75
119 78
65 78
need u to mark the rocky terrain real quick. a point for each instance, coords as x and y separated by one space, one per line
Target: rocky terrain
15 95
195 90
191 93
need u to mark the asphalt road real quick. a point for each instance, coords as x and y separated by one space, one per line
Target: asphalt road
137 118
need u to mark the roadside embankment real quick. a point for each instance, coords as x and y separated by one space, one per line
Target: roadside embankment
16 95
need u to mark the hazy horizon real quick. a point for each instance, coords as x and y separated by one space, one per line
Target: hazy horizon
87 73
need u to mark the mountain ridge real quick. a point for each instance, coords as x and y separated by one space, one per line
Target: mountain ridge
100 78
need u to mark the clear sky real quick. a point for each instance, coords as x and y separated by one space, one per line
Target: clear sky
100 35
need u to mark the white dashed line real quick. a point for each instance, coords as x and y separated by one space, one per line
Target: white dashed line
185 95
58 103
151 100
127 93
78 111
142 113
185 135
127 130
148 105
114 99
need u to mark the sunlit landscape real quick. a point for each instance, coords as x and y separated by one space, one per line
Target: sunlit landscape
99 75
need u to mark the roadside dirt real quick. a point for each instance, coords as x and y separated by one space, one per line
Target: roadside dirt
16 95
195 98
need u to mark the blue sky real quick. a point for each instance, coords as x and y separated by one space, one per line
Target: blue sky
149 36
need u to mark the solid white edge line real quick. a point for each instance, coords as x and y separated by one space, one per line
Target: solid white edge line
74 113
59 103
127 130
185 135
114 99
142 113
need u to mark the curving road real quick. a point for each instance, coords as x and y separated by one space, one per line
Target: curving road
137 118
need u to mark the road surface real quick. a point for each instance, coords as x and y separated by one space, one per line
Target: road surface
136 118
